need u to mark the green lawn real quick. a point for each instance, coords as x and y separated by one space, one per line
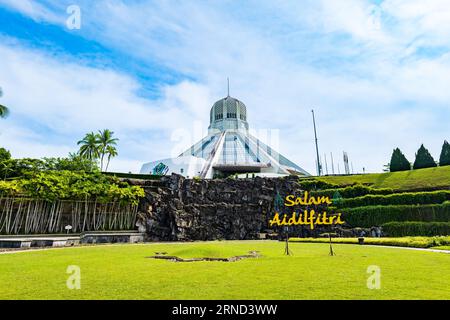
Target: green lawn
123 272
438 177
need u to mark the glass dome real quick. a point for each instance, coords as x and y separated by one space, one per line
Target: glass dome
228 113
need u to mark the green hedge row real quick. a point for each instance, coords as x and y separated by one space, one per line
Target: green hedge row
132 176
415 242
352 192
416 228
370 216
313 184
429 197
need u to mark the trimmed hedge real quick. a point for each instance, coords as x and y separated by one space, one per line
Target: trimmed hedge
132 176
416 228
313 184
415 242
352 192
430 197
370 216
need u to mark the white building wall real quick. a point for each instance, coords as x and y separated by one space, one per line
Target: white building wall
187 166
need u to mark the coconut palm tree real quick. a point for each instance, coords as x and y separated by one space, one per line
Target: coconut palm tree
4 111
105 139
111 151
89 146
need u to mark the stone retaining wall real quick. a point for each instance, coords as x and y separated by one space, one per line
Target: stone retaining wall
231 209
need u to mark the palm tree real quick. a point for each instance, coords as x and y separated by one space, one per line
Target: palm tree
111 151
105 139
89 146
4 111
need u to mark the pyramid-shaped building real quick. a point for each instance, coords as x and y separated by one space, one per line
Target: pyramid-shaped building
228 148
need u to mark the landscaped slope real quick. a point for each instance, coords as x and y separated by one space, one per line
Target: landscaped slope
408 203
422 179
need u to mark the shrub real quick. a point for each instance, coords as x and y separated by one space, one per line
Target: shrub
74 162
313 184
352 191
416 228
415 242
16 168
132 176
68 185
10 188
370 216
427 197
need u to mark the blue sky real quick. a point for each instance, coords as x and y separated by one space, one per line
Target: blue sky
376 72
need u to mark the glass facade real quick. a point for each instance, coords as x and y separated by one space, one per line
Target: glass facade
236 151
205 147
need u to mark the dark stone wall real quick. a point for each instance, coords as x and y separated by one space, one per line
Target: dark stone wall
176 208
179 209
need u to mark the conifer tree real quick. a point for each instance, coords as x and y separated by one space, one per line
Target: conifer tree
424 159
399 162
444 159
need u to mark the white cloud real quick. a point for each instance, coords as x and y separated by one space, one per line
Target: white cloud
358 18
33 9
416 23
371 92
54 102
23 142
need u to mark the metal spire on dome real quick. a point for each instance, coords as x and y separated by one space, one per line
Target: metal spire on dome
228 80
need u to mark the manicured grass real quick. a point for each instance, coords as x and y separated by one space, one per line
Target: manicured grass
413 242
123 272
442 248
430 178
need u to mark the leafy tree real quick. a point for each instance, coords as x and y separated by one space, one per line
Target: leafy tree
5 166
399 162
89 147
68 185
424 159
6 169
4 155
105 139
444 159
4 111
74 162
111 151
15 168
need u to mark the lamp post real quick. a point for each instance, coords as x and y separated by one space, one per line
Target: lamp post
68 228
331 246
286 248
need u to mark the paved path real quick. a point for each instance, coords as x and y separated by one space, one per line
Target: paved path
410 248
23 250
